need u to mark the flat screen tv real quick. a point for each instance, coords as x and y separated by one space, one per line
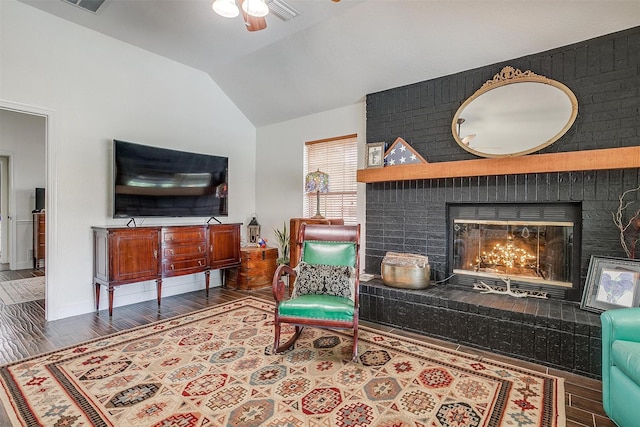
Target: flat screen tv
158 182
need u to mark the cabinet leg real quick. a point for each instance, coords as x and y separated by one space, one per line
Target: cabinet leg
110 291
206 282
159 289
223 277
97 296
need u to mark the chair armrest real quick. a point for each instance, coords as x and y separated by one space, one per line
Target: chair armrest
618 324
621 324
277 284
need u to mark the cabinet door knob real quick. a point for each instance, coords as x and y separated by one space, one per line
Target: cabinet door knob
199 263
172 253
210 248
155 254
172 267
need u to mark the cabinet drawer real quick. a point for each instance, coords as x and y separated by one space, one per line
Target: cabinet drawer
174 251
171 267
189 234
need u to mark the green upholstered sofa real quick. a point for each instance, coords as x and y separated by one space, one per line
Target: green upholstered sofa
621 365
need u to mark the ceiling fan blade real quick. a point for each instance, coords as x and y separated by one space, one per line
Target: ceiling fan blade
467 139
254 23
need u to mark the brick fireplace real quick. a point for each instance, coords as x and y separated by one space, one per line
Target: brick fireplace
413 215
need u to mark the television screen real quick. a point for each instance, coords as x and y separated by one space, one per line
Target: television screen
158 182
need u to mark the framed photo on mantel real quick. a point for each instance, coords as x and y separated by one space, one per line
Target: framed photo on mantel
611 283
374 155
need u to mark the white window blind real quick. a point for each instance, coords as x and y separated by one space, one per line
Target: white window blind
337 157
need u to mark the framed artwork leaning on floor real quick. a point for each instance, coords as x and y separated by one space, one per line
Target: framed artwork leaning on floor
611 283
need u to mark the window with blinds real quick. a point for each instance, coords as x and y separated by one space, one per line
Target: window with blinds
338 157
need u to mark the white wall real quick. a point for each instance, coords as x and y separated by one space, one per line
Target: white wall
22 138
280 157
100 89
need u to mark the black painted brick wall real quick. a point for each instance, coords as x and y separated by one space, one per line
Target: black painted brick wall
409 216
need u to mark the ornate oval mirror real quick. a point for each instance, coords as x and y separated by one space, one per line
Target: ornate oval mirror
513 114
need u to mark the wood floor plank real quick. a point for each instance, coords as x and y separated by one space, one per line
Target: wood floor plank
580 416
579 390
588 405
603 421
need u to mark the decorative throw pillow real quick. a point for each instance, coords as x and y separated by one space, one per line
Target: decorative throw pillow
321 279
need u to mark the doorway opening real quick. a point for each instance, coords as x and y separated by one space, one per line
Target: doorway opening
24 166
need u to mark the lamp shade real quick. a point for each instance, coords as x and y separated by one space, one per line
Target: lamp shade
257 8
226 8
316 182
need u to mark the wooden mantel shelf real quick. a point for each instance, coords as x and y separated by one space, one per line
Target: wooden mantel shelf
573 161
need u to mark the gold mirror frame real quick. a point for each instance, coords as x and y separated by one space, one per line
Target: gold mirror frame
511 76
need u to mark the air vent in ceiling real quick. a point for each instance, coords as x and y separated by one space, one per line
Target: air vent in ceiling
282 10
89 5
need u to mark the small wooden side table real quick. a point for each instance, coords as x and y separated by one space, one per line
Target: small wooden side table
257 266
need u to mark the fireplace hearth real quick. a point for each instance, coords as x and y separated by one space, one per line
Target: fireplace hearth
550 332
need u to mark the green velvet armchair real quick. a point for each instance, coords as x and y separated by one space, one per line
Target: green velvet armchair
621 365
325 283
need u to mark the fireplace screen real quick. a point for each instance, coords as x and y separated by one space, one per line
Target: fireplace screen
529 251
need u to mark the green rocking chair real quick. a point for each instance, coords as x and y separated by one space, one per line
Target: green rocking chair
326 283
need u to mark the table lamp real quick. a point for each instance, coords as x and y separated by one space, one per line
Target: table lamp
317 182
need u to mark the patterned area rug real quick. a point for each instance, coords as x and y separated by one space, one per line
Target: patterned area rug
213 368
22 290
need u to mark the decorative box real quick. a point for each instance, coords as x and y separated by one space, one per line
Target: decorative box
257 266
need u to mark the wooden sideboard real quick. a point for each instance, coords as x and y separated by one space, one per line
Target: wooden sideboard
39 233
124 255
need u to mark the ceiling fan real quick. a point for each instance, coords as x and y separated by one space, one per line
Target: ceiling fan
253 11
467 139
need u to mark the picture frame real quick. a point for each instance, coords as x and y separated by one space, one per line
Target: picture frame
374 155
611 283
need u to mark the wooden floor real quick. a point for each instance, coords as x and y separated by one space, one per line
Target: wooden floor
24 332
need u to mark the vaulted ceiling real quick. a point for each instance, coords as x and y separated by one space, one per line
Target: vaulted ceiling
334 53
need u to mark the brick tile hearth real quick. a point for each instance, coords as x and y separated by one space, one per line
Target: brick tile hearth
550 332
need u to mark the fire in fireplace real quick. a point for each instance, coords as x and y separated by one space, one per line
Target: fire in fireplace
531 246
533 251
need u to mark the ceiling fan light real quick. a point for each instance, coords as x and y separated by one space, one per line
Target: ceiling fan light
226 8
257 8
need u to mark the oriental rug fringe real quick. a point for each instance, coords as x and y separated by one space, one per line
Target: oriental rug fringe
214 368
